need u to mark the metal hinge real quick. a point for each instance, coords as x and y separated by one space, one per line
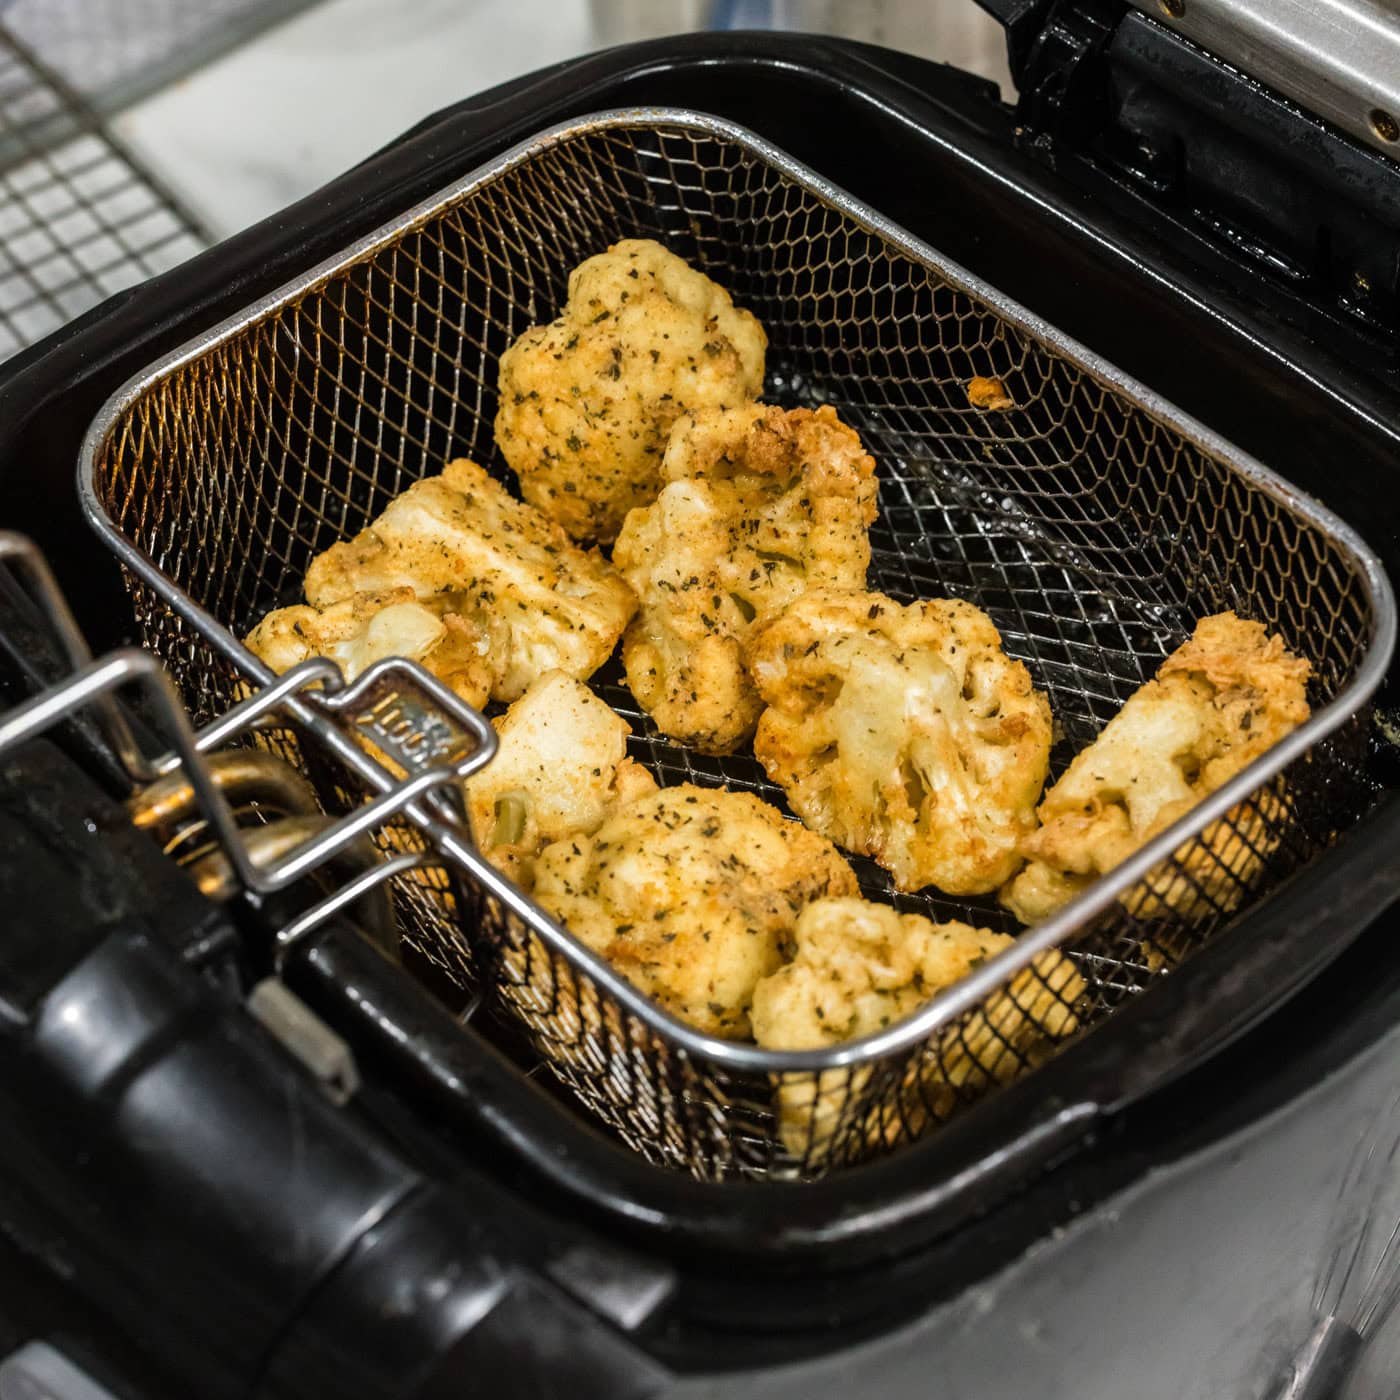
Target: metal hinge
1062 80
1055 50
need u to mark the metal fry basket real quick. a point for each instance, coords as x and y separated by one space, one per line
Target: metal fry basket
1092 521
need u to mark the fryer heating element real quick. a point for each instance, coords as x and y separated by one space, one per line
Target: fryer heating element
1092 521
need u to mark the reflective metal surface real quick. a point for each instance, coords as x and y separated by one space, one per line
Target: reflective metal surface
1338 58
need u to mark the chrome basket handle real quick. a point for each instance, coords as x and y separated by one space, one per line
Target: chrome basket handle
396 707
25 560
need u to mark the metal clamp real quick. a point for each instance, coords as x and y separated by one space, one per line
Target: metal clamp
371 879
100 680
396 717
215 877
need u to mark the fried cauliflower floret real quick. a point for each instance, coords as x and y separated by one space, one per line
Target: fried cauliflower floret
444 633
561 769
691 893
761 504
860 967
586 401
1217 703
544 603
903 733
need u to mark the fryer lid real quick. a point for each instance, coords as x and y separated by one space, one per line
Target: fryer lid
379 368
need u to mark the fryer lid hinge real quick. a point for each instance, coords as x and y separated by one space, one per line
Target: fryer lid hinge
1057 52
1223 168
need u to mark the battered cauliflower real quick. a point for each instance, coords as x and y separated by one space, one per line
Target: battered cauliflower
586 401
1217 703
903 733
761 504
861 967
444 633
691 893
561 768
543 603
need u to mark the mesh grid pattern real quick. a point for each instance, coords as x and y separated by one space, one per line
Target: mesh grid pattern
1093 533
79 219
111 52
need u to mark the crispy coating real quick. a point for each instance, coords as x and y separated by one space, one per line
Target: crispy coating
544 603
860 967
987 393
561 769
445 633
586 401
691 893
903 733
761 504
1217 703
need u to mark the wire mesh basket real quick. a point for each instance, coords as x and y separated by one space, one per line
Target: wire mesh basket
1093 522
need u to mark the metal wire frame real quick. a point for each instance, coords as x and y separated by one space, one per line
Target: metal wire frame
197 797
80 217
113 54
1092 521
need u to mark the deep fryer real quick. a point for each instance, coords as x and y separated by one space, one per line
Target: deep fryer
1168 272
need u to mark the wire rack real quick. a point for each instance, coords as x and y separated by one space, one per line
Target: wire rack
80 219
1092 522
113 53
193 797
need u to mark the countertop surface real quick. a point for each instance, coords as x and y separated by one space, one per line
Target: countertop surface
277 116
135 132
269 121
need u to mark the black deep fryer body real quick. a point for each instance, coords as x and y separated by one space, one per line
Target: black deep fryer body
1143 1213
